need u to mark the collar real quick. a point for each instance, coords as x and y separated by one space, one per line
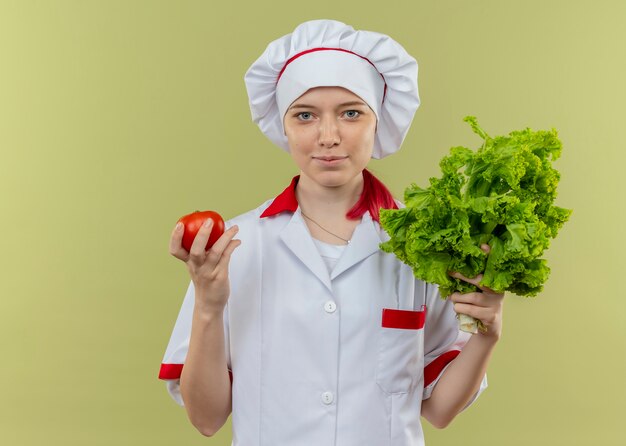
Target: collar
286 201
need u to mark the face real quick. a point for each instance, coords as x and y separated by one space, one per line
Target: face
331 133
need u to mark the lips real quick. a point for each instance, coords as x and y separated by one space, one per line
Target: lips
330 161
329 158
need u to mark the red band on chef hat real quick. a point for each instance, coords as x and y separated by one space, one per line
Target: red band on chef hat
329 67
325 49
330 53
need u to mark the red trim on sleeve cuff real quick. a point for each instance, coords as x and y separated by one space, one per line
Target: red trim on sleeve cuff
173 371
434 369
170 371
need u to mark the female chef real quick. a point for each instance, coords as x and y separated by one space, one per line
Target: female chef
303 328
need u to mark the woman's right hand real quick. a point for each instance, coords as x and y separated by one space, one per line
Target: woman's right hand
208 269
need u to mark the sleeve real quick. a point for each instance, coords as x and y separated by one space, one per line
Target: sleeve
443 340
176 351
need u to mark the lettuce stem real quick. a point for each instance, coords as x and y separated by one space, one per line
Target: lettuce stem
469 324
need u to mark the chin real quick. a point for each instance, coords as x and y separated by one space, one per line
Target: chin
333 178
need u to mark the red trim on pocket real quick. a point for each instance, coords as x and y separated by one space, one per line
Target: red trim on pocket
434 369
409 319
173 371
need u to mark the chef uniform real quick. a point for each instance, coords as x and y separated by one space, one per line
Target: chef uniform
326 345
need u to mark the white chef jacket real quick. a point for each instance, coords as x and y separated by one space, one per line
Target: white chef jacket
323 359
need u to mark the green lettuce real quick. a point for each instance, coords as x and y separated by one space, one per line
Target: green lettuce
501 194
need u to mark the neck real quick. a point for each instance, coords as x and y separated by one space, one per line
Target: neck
320 200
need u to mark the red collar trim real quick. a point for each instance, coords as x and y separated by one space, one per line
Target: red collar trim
286 201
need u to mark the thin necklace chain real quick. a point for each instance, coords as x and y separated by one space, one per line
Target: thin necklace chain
324 229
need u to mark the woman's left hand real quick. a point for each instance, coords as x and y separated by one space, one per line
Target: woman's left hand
485 305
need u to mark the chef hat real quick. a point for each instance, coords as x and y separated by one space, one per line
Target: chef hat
330 53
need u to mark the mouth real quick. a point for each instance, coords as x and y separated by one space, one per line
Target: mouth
329 158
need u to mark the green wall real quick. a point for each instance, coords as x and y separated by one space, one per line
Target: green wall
117 117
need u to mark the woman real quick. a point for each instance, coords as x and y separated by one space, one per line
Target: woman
303 328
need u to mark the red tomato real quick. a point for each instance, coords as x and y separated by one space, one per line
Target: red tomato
194 221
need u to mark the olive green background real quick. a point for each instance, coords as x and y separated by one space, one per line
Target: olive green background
117 117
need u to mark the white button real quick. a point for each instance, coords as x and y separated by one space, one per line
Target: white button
330 306
327 397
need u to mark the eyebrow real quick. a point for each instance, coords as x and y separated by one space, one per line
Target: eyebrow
340 105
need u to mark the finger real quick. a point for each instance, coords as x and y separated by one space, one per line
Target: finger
176 248
467 298
486 248
486 315
225 258
198 245
483 300
491 293
473 281
216 251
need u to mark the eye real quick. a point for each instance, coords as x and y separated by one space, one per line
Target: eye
352 114
304 116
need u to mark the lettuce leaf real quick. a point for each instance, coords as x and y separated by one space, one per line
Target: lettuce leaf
501 194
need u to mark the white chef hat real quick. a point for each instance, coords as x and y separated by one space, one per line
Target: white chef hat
330 53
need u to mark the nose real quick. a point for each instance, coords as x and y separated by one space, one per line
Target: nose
329 132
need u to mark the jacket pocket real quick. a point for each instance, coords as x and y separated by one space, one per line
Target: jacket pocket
400 349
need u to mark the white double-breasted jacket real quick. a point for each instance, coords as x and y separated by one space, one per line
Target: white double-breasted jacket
323 359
